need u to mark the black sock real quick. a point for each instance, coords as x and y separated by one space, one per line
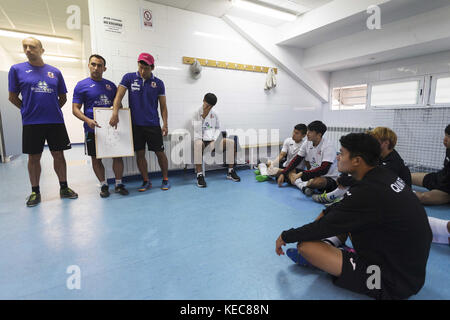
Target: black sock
35 189
63 184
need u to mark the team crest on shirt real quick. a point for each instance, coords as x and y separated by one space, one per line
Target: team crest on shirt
50 74
108 87
153 84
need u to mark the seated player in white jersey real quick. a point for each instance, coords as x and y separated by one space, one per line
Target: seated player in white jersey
389 159
387 224
291 146
320 153
437 182
207 134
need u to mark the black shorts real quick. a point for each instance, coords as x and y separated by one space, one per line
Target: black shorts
355 275
89 144
346 180
432 182
152 136
34 136
330 186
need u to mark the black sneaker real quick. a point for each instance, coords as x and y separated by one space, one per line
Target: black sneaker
201 183
233 176
34 199
121 189
308 191
68 193
104 192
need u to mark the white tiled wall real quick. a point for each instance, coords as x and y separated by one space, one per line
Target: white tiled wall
242 101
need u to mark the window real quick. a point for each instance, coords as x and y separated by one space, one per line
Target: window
398 93
349 98
442 91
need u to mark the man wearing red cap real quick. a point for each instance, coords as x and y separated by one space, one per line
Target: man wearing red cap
144 93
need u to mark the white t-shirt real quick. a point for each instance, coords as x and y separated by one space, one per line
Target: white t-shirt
291 148
323 152
206 129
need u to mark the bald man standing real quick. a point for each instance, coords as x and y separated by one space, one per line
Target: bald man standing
43 94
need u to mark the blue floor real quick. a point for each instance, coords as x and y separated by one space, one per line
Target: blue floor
185 243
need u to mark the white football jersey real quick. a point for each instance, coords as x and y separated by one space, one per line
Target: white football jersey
291 148
206 129
324 151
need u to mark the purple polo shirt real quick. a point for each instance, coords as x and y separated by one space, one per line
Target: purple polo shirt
143 98
40 88
91 94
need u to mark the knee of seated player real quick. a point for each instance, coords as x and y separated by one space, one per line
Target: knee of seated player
306 247
318 182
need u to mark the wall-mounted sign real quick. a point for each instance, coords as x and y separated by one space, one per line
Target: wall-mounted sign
147 19
113 25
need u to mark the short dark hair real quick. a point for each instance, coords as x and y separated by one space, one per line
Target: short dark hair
98 57
301 127
447 129
146 64
210 98
317 126
363 145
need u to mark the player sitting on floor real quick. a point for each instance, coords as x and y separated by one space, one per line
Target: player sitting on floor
291 147
437 182
320 153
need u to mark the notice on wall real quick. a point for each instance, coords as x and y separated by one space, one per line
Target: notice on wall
113 25
146 19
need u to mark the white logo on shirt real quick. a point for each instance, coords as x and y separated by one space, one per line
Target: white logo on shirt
103 100
353 264
398 185
28 71
92 85
348 193
135 86
42 87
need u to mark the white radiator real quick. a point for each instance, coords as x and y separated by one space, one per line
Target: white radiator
175 145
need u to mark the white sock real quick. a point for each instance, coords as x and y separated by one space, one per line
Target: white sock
336 193
300 183
230 169
103 183
262 169
118 181
199 174
333 240
439 229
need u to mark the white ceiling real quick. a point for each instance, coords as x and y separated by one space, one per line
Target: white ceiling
41 16
219 8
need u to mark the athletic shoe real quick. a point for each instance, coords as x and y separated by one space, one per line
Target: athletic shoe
307 191
257 172
293 254
333 202
233 176
201 183
34 199
68 193
165 185
146 185
321 198
261 178
120 188
104 191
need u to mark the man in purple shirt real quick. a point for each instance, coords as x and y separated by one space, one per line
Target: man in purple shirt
97 92
43 94
144 93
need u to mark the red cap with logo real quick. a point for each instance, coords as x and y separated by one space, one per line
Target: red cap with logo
147 58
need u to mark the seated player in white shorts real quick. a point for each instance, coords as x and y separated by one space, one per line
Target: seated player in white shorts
291 147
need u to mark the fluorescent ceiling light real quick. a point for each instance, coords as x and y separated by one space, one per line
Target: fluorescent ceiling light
266 11
55 58
41 37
